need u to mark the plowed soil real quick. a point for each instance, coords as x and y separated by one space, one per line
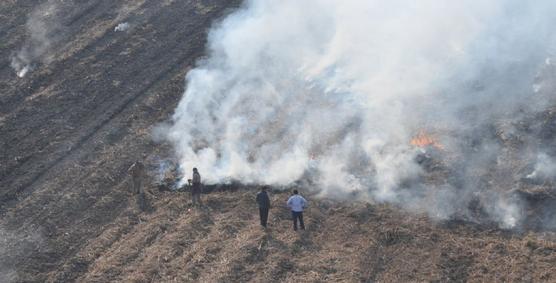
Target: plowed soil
70 129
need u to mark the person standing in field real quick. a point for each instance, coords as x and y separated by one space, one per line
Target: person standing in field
196 187
297 204
137 171
264 205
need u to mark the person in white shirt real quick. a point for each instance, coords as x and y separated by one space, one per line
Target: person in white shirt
297 203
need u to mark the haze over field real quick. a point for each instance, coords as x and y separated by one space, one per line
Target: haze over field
334 91
414 129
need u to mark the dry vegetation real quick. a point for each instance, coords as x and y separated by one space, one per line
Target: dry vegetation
71 128
344 242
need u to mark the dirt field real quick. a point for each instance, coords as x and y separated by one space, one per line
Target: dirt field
70 129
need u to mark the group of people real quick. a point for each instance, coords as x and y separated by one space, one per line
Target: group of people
296 203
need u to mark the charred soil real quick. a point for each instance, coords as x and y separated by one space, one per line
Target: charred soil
70 129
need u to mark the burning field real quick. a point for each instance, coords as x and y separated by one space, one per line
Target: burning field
422 134
409 112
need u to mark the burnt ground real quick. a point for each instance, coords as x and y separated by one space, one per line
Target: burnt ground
70 129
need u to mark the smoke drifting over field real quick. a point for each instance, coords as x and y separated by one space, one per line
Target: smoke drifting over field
545 168
334 91
15 246
43 28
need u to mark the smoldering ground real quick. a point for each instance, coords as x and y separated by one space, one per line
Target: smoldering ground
334 91
48 31
44 30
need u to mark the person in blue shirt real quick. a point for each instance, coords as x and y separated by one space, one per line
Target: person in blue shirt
297 204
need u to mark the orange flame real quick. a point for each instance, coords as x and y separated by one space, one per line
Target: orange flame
424 140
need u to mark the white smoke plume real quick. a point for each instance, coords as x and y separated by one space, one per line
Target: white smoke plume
43 28
545 168
122 27
333 91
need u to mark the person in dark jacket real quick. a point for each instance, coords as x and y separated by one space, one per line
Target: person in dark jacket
137 171
264 205
196 187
